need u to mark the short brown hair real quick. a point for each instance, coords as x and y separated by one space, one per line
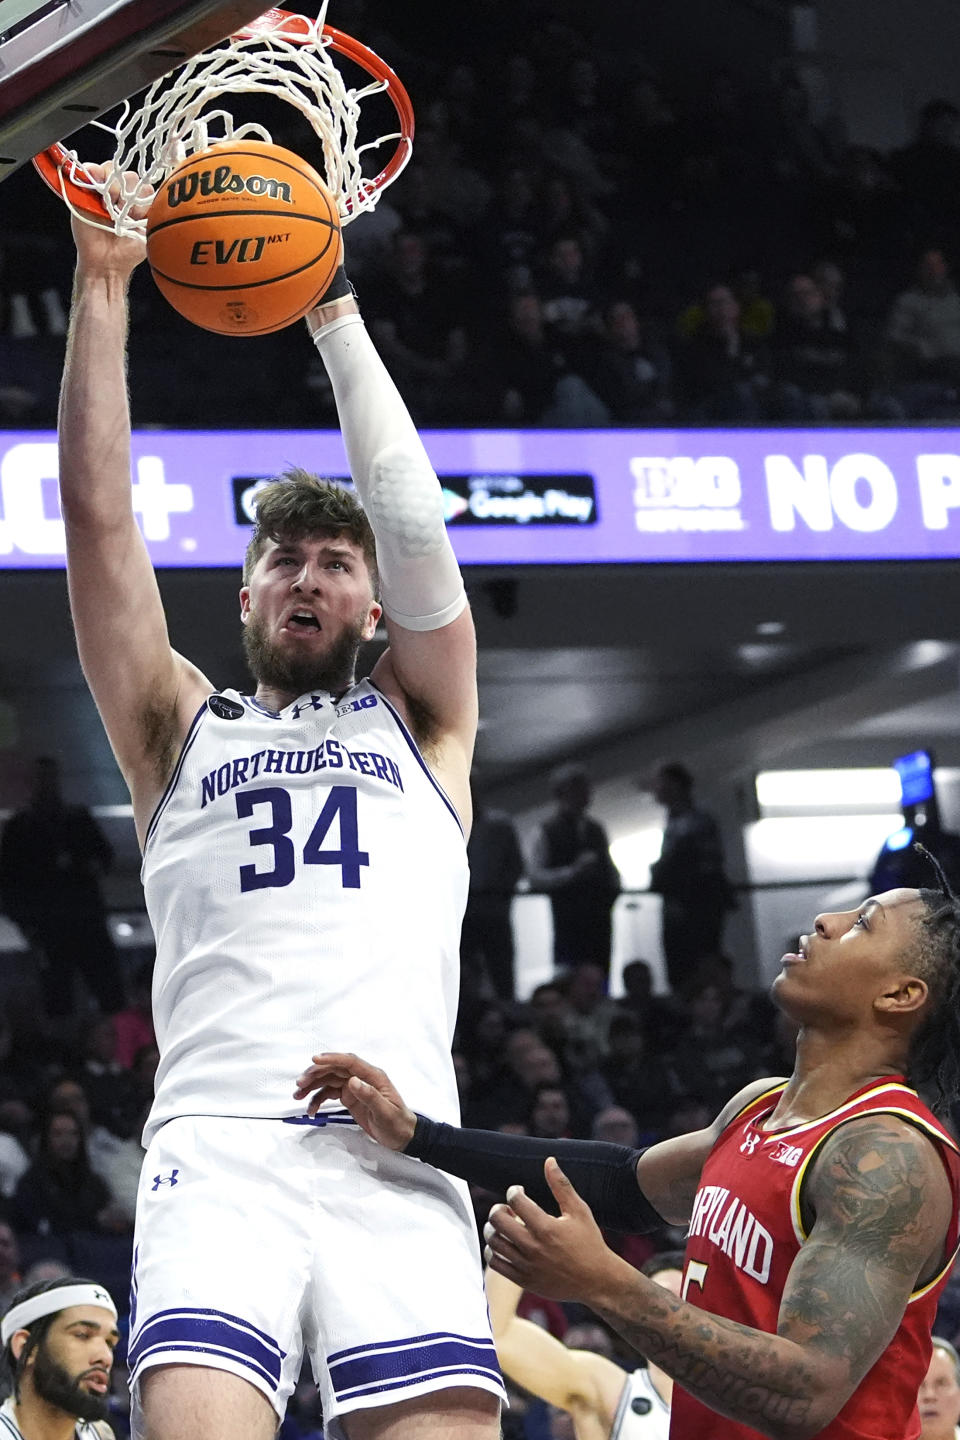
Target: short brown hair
298 504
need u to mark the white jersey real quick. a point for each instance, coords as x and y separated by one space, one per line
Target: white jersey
641 1414
10 1430
305 877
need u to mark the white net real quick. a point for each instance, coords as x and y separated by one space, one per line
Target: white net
283 55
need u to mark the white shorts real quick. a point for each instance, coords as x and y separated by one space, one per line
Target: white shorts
259 1240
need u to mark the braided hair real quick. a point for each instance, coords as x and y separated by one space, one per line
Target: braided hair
934 1063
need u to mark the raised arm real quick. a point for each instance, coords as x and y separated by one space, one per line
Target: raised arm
146 694
430 667
530 1356
882 1206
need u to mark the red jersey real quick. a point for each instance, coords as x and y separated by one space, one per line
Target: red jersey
746 1230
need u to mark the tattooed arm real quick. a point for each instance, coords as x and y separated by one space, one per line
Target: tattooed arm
882 1205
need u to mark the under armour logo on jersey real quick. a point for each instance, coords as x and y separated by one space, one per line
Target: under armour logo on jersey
750 1143
170 1179
225 708
640 1406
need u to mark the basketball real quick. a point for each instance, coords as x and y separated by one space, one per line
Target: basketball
243 238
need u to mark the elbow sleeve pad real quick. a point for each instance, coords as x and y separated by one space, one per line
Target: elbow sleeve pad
604 1175
420 577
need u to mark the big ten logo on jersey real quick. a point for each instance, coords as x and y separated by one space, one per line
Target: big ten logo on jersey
723 1220
683 493
363 702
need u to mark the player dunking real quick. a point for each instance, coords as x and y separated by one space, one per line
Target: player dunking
822 1210
305 875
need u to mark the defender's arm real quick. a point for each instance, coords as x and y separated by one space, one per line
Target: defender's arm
882 1205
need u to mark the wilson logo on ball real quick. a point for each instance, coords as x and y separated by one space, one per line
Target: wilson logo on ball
225 181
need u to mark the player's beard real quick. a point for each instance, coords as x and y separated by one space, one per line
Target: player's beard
55 1385
293 674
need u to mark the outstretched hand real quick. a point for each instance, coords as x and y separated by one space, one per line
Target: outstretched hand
560 1257
100 250
365 1091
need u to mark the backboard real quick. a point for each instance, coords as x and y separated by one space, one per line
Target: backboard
64 62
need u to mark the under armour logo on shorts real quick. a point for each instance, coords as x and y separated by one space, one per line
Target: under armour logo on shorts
170 1179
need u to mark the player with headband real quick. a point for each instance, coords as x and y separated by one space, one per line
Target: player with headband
58 1339
305 875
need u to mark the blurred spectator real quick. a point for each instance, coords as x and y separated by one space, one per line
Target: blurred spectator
531 365
656 1015
588 1013
496 865
118 1159
571 863
637 1076
10 1280
51 858
939 1398
814 363
411 309
60 1193
923 332
43 1270
514 220
33 323
569 297
722 372
108 1086
928 171
616 1126
133 1026
630 368
14 1162
714 1057
801 149
690 875
550 1112
758 314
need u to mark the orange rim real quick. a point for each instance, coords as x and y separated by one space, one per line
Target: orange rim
55 163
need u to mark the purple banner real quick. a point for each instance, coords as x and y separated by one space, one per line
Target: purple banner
546 497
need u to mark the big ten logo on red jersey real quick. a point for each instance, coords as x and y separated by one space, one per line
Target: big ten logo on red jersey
724 1221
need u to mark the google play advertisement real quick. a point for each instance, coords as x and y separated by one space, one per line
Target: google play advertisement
540 497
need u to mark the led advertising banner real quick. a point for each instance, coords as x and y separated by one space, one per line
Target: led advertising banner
545 497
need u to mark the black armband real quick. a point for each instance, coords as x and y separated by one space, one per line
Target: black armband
338 288
604 1175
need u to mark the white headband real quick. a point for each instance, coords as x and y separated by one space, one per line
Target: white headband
49 1303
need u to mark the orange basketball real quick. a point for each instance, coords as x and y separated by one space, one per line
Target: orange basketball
243 238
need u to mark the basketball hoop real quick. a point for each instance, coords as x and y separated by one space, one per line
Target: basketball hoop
282 54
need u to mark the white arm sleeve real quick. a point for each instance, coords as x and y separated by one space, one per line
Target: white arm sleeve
398 488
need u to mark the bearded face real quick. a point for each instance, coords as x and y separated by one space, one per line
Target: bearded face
295 672
54 1384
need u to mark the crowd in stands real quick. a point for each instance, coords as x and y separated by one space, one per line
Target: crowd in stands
577 241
